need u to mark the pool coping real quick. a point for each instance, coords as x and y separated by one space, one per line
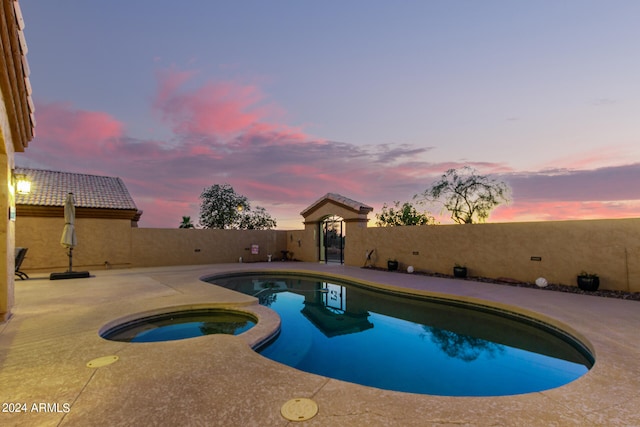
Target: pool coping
45 349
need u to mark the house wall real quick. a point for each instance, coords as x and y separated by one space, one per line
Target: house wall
7 233
609 248
7 201
16 130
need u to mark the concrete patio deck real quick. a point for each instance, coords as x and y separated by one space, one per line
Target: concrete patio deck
217 380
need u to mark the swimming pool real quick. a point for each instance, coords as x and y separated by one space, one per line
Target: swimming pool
350 332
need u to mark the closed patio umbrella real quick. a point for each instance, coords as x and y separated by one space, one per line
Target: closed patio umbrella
69 240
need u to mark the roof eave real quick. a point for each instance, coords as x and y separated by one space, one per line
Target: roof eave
81 212
14 76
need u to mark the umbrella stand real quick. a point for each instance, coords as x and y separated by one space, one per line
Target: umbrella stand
69 274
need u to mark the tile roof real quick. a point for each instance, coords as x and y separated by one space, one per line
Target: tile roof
50 188
345 201
14 75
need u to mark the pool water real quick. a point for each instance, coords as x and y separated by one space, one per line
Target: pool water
180 325
413 345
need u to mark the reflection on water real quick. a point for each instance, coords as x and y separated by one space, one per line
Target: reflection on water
462 347
229 328
398 343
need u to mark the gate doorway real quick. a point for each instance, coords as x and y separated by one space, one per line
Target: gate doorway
326 222
332 240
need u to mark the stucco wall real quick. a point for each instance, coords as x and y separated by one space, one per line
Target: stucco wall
609 248
302 244
7 202
99 241
118 244
7 231
156 246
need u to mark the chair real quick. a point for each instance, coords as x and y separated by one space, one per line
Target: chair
20 254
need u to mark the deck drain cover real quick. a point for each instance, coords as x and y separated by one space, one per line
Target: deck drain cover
102 361
299 409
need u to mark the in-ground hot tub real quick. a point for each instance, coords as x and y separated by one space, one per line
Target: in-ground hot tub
178 325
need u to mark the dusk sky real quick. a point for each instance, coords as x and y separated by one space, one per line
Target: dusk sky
374 100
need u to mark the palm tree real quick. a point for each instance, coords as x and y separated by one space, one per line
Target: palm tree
186 222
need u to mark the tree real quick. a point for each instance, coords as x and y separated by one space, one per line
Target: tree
186 222
222 207
257 219
469 197
406 214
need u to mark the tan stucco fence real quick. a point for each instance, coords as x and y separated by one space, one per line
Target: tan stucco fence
557 250
109 243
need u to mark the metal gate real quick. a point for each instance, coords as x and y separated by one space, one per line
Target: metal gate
332 241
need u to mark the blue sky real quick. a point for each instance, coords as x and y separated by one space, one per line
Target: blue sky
289 100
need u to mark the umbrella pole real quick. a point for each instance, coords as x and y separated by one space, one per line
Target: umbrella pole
70 259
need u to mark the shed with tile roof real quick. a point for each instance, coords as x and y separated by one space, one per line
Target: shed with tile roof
105 216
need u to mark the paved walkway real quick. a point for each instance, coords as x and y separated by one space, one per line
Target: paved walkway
217 380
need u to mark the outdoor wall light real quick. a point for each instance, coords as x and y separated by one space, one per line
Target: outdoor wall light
22 183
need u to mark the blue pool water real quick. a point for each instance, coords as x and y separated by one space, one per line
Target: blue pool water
351 333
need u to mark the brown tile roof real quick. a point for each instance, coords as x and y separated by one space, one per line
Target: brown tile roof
14 75
50 188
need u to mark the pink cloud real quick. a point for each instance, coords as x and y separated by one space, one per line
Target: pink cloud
215 108
565 210
228 111
169 81
76 129
592 159
271 191
226 132
203 150
87 141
